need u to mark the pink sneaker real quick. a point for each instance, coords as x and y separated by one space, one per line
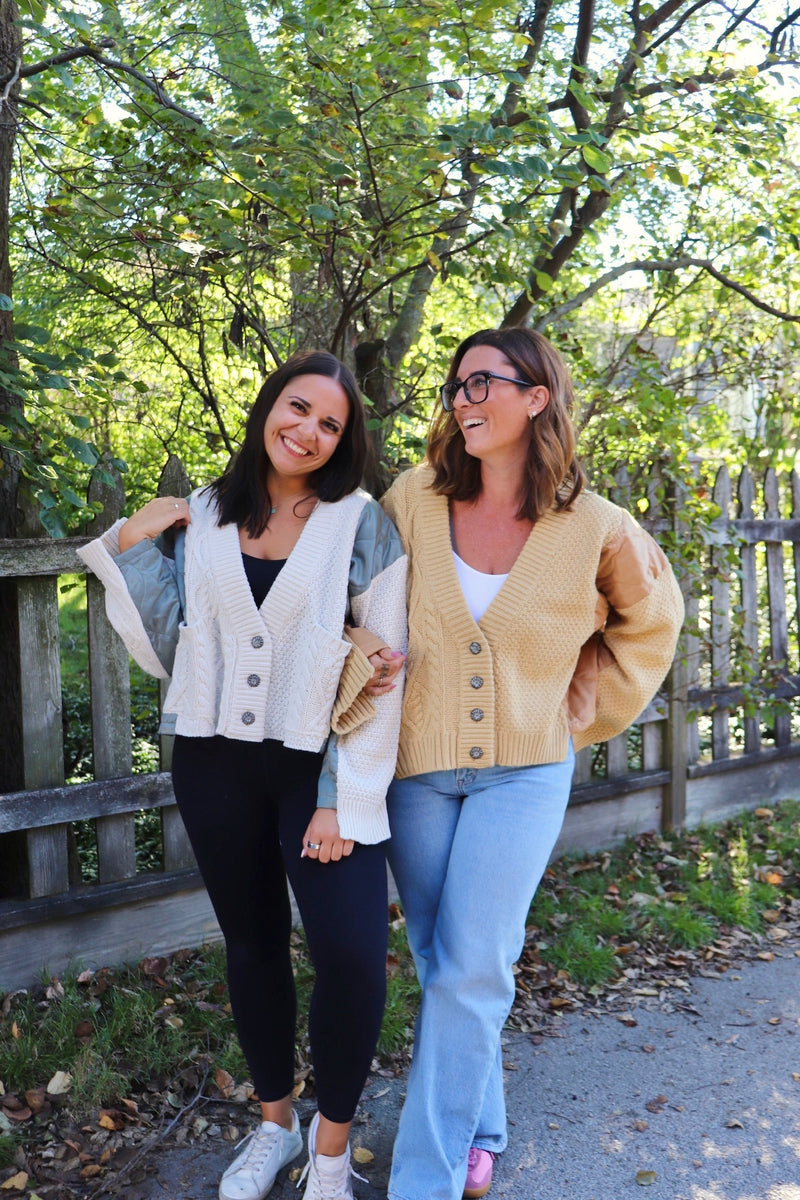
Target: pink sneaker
479 1173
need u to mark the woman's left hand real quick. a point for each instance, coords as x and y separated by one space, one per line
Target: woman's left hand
386 666
322 839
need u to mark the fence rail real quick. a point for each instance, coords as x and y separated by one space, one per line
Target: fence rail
723 736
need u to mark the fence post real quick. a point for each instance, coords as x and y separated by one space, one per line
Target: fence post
721 620
749 599
776 588
178 853
677 740
111 697
40 706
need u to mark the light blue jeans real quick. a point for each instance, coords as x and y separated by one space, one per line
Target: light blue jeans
467 851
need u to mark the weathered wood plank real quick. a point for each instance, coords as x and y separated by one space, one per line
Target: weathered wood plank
109 677
42 744
606 823
750 530
749 598
795 488
617 755
583 766
177 849
723 794
41 556
720 622
82 801
107 936
776 589
653 745
707 699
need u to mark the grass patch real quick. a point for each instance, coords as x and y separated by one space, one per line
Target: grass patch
680 892
154 1029
121 1032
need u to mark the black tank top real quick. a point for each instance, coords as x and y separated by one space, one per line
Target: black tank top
261 574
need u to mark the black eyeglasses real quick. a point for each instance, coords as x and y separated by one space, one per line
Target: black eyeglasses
476 388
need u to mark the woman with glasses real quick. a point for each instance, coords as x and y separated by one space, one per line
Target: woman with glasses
542 619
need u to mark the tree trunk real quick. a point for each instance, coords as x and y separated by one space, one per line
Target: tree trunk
12 846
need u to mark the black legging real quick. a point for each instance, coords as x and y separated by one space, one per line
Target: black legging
246 807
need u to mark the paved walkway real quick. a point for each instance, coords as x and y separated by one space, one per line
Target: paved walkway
698 1104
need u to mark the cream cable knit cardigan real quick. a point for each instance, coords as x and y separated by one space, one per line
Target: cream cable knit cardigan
275 672
576 642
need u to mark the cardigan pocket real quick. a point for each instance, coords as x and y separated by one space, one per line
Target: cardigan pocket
314 686
195 680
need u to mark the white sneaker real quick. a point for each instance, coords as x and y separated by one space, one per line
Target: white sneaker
328 1178
252 1174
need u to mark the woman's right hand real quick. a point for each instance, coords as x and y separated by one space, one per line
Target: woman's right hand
152 519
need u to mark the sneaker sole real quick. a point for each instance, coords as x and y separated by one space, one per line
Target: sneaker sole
476 1193
288 1163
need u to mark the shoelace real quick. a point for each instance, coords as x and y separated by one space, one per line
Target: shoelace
335 1183
261 1146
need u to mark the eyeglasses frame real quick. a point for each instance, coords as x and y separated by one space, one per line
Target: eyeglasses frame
448 402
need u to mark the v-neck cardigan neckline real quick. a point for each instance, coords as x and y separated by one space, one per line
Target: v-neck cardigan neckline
544 540
297 574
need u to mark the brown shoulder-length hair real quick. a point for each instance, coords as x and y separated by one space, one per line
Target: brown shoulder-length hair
241 491
553 476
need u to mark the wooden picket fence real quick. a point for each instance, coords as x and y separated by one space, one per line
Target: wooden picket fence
710 745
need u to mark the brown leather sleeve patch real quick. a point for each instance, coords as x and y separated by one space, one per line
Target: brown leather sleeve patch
630 564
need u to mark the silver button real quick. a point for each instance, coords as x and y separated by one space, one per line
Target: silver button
475 647
477 714
476 752
253 680
257 642
248 718
476 681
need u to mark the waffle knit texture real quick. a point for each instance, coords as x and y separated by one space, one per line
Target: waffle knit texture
576 643
275 672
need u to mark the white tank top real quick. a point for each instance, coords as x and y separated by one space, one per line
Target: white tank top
479 588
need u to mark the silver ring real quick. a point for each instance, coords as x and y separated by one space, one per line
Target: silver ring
313 845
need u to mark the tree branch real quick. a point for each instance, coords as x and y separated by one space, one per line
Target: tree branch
650 265
110 64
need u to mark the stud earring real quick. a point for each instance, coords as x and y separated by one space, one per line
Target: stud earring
531 414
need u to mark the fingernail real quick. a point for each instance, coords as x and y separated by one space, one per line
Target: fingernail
303 852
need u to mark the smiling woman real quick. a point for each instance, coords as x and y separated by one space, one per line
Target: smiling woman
280 765
539 616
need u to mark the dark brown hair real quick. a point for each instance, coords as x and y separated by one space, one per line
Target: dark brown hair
553 475
241 491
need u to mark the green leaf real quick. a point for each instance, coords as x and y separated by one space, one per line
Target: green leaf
83 451
321 212
32 333
597 159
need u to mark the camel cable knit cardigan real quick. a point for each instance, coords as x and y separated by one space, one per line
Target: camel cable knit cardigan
576 642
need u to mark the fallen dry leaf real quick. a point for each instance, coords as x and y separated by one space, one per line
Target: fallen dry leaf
60 1083
16 1183
734 1123
225 1082
646 1177
362 1155
36 1098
